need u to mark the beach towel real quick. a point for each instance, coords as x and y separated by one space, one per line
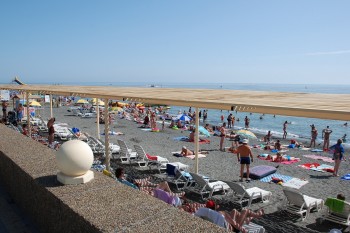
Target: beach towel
323 168
289 161
346 177
146 129
181 138
295 183
268 178
113 133
309 165
334 204
186 139
316 150
319 157
178 154
152 157
193 156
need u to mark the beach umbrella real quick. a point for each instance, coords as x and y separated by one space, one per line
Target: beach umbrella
203 131
246 133
82 101
100 102
183 117
34 104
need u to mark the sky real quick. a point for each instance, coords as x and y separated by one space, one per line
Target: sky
196 41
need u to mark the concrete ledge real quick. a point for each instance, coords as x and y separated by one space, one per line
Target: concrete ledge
28 172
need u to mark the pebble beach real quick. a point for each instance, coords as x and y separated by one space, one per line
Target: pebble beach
223 165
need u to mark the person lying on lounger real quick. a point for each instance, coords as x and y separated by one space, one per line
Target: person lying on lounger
235 218
119 173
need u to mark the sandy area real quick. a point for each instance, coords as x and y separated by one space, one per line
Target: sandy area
224 166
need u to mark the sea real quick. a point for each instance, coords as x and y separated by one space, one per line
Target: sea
298 127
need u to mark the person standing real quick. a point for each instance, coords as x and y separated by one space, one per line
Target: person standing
222 136
314 134
285 129
246 122
51 129
233 121
326 136
244 156
19 112
4 109
337 155
205 115
200 114
229 121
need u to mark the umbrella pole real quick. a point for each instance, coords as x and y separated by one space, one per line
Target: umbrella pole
98 120
51 106
28 115
196 137
107 162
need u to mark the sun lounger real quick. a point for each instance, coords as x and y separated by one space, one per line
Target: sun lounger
127 156
205 187
62 133
159 162
178 177
248 195
338 211
298 203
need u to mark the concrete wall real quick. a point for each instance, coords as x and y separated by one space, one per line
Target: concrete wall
28 172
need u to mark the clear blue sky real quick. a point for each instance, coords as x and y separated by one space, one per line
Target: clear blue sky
220 41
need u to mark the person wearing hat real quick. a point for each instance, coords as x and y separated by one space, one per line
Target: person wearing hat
244 156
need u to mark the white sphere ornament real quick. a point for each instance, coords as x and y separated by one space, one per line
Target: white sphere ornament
74 158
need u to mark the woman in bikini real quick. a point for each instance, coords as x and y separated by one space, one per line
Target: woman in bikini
222 136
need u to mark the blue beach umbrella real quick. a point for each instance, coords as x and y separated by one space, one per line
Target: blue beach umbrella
183 117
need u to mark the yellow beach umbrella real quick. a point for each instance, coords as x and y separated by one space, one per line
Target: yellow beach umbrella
34 104
100 102
82 101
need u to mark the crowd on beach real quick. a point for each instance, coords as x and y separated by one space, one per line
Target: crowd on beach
158 120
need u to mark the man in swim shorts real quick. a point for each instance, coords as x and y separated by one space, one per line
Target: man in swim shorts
244 156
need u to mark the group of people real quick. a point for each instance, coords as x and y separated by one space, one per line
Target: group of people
18 111
233 220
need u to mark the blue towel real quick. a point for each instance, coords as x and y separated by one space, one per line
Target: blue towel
182 138
276 175
346 177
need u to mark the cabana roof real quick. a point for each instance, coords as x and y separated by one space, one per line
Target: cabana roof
312 105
